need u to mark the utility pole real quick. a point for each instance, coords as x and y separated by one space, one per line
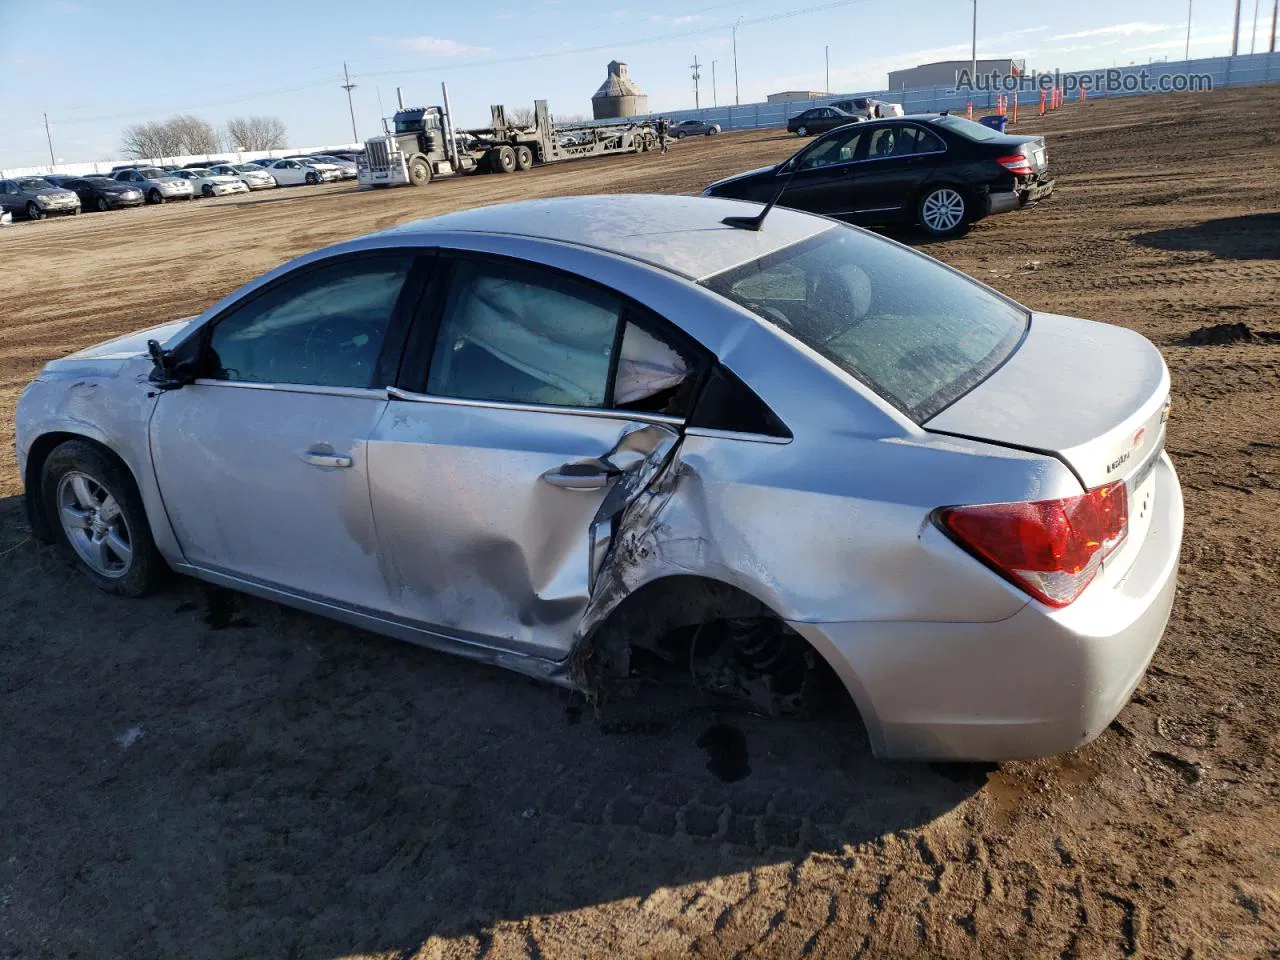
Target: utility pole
827 88
715 101
736 101
1235 31
697 101
1253 37
973 77
49 138
1187 54
1275 9
348 86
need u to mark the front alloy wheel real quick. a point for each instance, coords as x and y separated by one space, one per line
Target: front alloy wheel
95 525
943 212
102 205
802 131
34 212
312 179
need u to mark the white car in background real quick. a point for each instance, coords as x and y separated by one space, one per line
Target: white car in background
327 171
346 168
209 184
251 175
291 173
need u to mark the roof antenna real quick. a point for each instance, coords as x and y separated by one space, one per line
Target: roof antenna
756 222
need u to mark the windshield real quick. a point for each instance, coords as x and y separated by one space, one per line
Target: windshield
151 173
248 168
967 128
200 173
917 333
34 183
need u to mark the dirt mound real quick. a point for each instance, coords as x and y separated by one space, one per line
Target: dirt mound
1223 333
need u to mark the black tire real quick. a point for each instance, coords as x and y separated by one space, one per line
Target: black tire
679 134
524 158
33 211
75 211
146 569
504 160
102 205
206 191
944 211
312 178
419 171
155 196
802 131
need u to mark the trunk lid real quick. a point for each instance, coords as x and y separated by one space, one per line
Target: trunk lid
1091 394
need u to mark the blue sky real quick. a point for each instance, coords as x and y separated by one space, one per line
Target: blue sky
96 66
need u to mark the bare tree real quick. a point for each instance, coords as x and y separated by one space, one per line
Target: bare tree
520 116
144 141
178 136
195 135
255 133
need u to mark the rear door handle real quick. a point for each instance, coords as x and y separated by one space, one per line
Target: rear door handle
581 476
317 458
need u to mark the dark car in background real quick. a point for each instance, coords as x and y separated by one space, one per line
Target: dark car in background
36 198
936 171
869 108
103 193
819 120
694 128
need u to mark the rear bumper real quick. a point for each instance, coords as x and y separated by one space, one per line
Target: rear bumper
1039 683
1006 201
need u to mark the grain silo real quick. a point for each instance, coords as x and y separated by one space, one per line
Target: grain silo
618 96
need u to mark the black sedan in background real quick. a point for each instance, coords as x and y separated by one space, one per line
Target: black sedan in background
819 120
936 171
103 193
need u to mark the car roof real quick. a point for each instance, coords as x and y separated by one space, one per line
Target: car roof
679 234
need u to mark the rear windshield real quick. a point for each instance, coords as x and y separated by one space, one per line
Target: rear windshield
917 333
967 128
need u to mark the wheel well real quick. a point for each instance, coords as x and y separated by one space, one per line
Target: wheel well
709 632
45 444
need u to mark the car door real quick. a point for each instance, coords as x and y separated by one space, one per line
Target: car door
262 460
821 175
499 467
7 190
899 159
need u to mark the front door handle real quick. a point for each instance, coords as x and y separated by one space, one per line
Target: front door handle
581 476
326 458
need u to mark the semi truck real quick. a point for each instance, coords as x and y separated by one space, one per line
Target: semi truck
422 144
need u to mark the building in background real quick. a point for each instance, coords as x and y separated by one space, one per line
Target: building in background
619 96
944 73
788 95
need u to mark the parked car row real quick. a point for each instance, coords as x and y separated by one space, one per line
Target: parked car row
134 184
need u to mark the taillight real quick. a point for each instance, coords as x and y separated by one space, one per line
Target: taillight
1051 548
1019 164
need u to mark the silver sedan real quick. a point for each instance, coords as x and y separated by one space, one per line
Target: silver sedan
592 438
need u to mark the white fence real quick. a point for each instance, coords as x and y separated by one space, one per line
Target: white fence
227 156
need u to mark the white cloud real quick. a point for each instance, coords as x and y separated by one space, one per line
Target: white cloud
1136 28
677 21
433 46
1179 43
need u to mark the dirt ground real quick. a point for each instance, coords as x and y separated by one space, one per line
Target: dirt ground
205 775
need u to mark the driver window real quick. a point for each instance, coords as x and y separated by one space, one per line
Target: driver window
324 327
838 149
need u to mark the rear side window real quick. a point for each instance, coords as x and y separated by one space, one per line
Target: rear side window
967 128
918 334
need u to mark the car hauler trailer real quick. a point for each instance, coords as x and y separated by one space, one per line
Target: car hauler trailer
424 145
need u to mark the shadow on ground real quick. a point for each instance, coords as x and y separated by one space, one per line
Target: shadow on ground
202 774
1255 236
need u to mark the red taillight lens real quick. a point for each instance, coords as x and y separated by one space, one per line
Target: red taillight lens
1019 164
1051 548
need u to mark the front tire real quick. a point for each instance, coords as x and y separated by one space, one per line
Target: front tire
96 511
155 196
419 171
102 205
679 134
313 179
206 191
802 131
34 212
943 212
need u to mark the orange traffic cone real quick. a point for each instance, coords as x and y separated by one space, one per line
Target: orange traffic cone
1043 97
969 109
1015 109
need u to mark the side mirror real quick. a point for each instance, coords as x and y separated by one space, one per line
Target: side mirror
165 375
